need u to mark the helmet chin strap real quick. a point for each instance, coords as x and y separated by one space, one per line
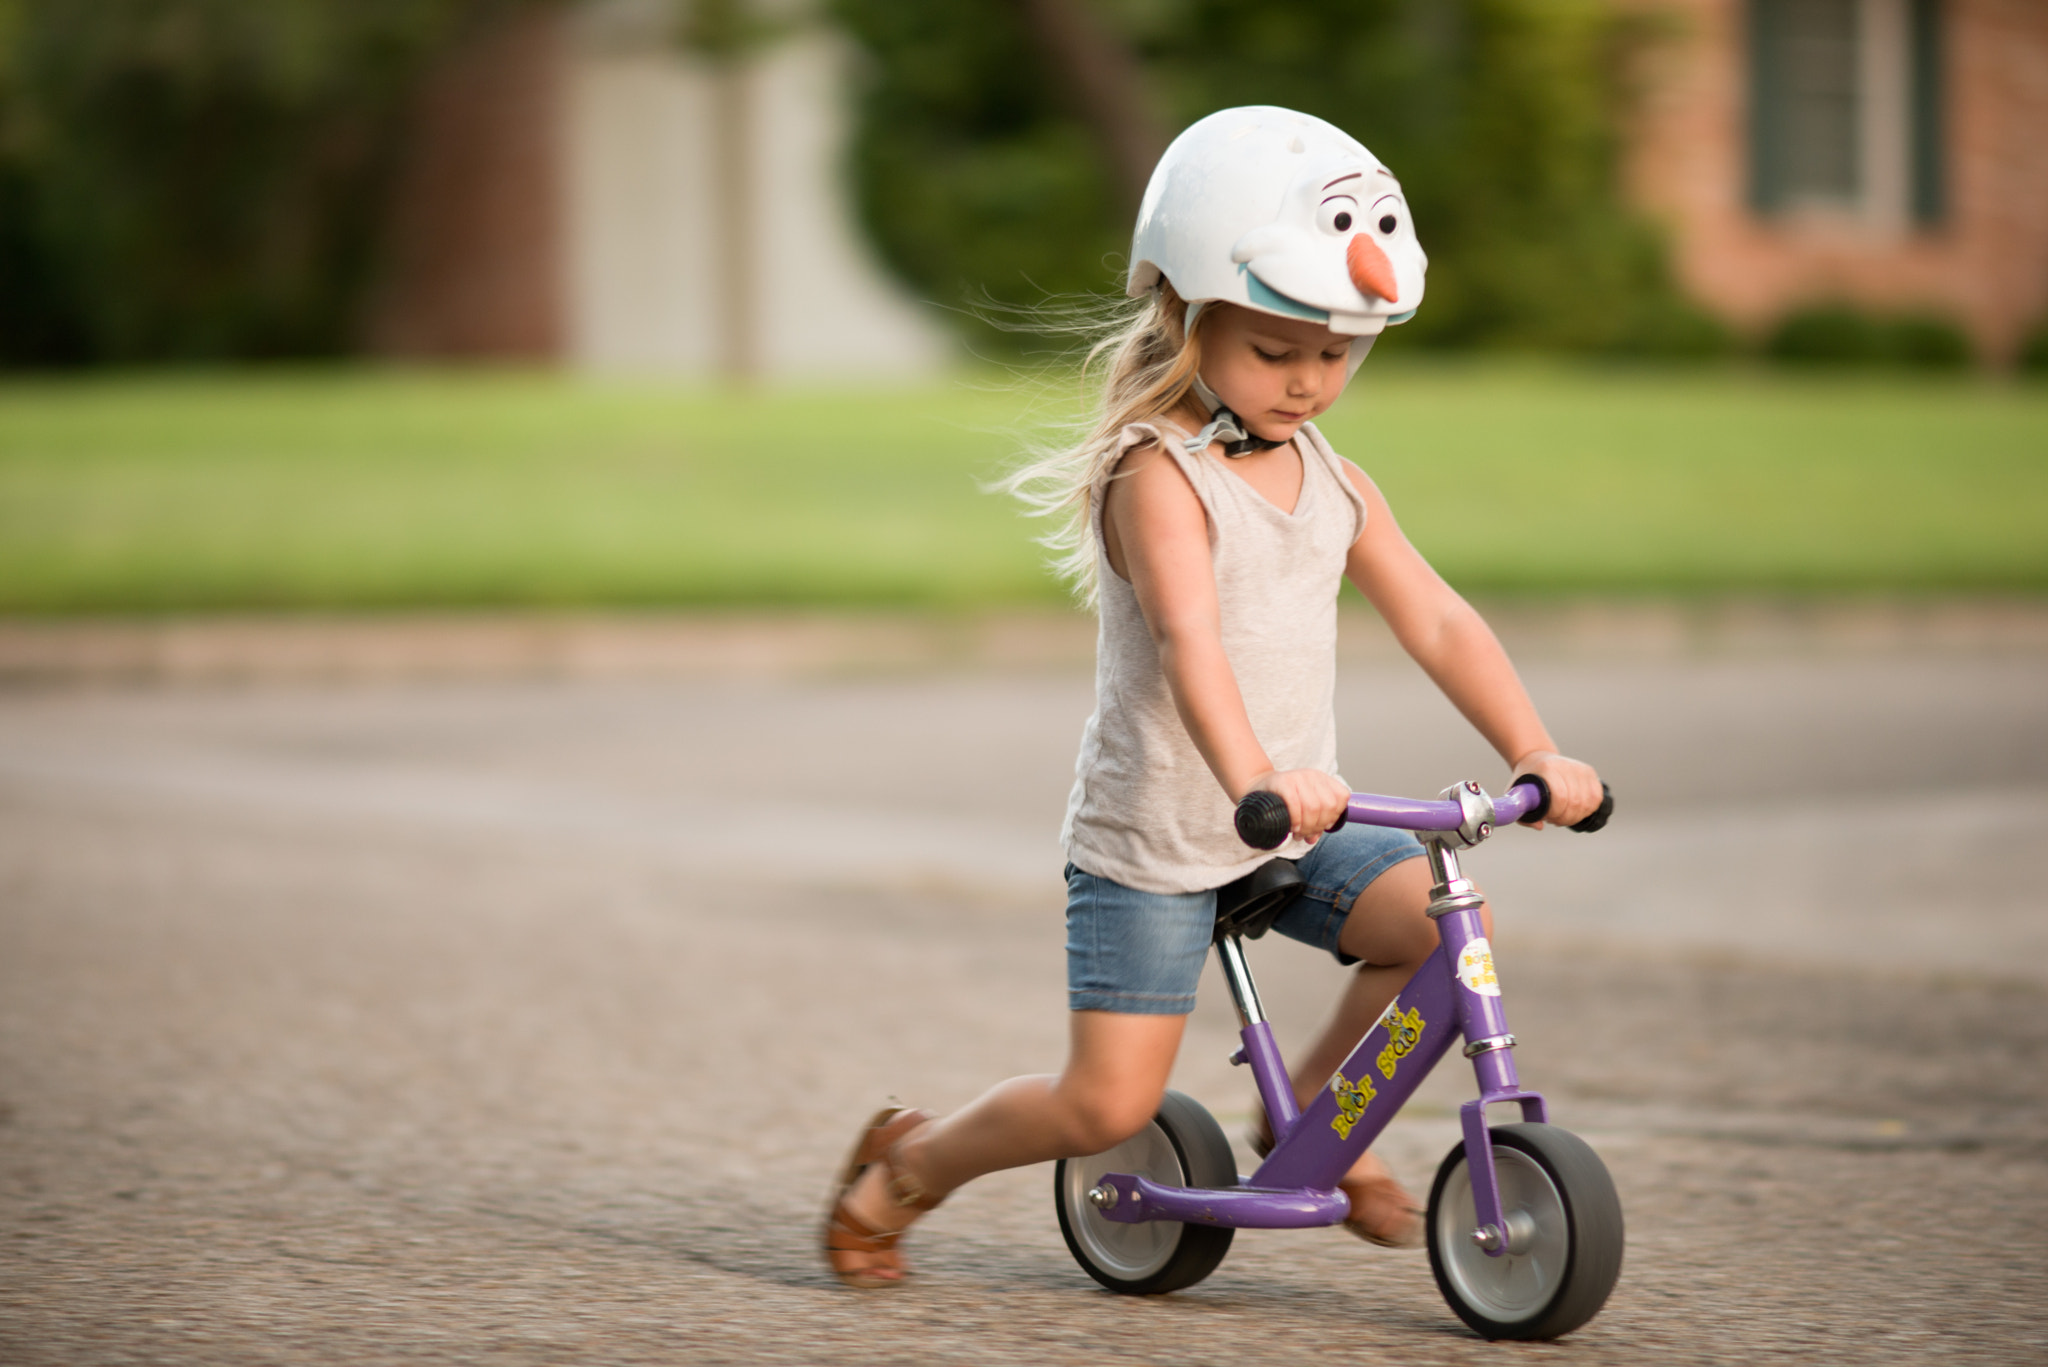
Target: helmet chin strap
1224 426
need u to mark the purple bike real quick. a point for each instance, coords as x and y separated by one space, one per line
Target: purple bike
1524 1227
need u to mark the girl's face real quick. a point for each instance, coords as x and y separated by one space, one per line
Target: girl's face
1274 373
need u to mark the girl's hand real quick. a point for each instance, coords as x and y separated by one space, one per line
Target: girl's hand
1574 787
1314 799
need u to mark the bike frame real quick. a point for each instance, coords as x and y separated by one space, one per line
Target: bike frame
1454 995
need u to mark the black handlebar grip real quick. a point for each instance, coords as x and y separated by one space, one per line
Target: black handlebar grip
1542 807
1592 823
1600 813
1262 820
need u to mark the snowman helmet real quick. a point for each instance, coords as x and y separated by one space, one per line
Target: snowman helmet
1278 211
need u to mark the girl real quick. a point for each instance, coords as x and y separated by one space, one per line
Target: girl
1212 525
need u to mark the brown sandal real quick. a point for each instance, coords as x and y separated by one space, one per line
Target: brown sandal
845 1233
1404 1230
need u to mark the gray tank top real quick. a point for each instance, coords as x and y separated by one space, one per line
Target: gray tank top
1145 811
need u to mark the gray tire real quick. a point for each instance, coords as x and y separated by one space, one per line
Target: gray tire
1566 1236
1182 1146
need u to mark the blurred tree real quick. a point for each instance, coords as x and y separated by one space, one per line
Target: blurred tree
973 172
1108 87
197 178
978 169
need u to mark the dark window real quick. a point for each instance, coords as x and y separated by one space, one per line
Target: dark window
1803 92
1823 77
1930 198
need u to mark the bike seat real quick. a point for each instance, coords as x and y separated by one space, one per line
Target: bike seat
1251 904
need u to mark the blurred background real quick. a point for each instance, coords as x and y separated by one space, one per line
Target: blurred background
461 303
520 719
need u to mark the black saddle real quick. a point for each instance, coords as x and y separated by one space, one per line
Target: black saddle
1249 906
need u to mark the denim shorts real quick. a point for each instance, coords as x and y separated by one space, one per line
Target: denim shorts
1141 953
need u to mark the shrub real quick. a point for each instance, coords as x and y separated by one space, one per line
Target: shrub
1829 334
1929 342
1841 334
1671 327
2033 357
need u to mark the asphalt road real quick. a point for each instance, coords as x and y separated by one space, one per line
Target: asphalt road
522 1022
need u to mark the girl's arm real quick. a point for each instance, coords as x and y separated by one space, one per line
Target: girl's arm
1157 537
1460 653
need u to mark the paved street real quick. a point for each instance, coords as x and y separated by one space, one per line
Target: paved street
521 1020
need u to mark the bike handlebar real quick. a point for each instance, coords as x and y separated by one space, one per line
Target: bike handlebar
1263 820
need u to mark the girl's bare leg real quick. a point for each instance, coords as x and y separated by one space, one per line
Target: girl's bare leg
1117 1067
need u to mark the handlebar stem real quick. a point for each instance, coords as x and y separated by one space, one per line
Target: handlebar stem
1475 813
1452 891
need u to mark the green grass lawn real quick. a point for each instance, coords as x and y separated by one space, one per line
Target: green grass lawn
359 489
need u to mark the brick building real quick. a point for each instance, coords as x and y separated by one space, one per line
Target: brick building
1889 154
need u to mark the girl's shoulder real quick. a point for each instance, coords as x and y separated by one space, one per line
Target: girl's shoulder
1315 446
1312 437
1152 444
1136 436
1145 432
1161 434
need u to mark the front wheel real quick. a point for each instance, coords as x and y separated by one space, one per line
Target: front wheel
1182 1146
1564 1236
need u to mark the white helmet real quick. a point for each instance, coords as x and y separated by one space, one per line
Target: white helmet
1281 212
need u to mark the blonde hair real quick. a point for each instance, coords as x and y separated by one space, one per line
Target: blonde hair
1147 357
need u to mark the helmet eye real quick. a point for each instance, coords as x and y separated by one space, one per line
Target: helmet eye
1336 214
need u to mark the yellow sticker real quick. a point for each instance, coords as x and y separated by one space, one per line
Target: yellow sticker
1404 1030
1475 968
1352 1099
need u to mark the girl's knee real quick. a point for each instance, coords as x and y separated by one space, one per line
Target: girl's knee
1101 1119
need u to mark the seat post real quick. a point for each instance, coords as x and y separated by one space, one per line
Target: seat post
1244 993
1269 1070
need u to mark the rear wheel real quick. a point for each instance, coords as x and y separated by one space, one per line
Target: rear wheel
1563 1230
1182 1146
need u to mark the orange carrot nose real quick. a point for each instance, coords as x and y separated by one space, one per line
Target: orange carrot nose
1370 269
